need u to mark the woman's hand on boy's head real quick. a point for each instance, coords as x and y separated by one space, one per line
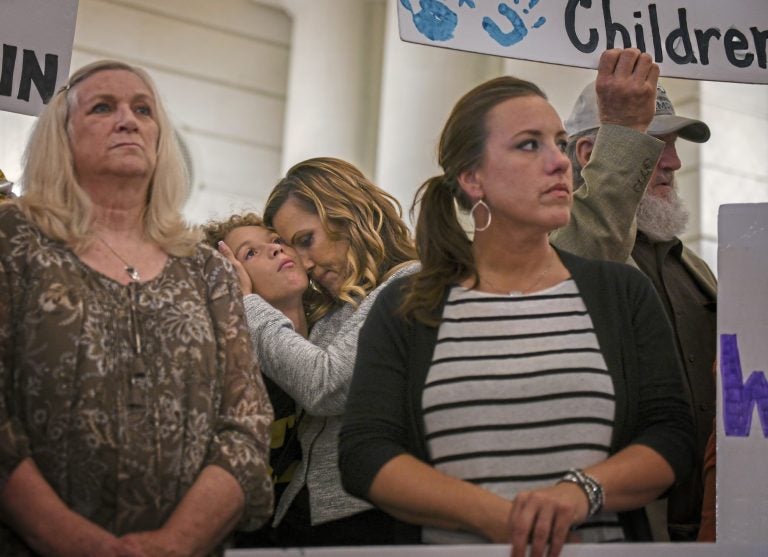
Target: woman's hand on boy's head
242 275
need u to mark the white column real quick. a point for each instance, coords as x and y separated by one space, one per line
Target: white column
420 85
326 102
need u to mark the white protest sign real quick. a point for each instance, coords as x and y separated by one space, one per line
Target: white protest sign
36 40
742 405
699 39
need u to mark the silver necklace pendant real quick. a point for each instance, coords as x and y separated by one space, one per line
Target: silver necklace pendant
133 273
130 269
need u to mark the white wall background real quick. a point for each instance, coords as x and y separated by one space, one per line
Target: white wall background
257 85
222 69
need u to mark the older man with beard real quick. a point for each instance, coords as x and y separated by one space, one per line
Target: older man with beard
631 211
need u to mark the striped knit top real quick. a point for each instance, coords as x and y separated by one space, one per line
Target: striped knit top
518 392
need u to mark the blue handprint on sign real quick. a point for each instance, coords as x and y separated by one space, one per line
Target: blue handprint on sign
435 21
519 29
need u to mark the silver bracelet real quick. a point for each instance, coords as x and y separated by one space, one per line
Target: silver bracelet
591 487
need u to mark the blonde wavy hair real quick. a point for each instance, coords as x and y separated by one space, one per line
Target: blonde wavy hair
54 201
351 208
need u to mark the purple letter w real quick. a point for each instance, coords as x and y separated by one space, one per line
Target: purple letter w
739 397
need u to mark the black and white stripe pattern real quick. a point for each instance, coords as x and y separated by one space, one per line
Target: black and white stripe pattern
518 393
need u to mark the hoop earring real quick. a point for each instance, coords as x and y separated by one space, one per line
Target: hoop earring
472 214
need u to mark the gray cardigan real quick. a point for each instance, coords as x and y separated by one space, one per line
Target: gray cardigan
316 373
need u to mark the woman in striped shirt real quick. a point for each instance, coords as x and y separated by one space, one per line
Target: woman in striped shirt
510 391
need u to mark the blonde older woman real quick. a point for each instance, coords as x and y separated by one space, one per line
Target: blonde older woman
133 419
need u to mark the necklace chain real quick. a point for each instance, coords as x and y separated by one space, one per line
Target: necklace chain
132 272
531 287
139 376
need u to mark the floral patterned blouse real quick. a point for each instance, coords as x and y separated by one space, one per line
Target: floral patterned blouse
121 432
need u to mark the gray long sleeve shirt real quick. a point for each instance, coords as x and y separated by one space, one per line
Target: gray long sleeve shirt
317 373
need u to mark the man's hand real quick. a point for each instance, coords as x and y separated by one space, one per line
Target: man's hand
626 88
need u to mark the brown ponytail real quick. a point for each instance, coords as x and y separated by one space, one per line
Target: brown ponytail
443 247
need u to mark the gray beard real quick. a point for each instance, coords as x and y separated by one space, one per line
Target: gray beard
661 219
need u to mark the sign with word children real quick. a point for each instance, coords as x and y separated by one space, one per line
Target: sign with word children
700 39
742 405
36 41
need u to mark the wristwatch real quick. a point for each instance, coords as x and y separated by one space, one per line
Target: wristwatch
591 487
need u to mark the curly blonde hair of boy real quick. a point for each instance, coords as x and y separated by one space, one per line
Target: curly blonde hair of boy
216 230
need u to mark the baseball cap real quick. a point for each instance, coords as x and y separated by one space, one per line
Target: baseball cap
585 116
